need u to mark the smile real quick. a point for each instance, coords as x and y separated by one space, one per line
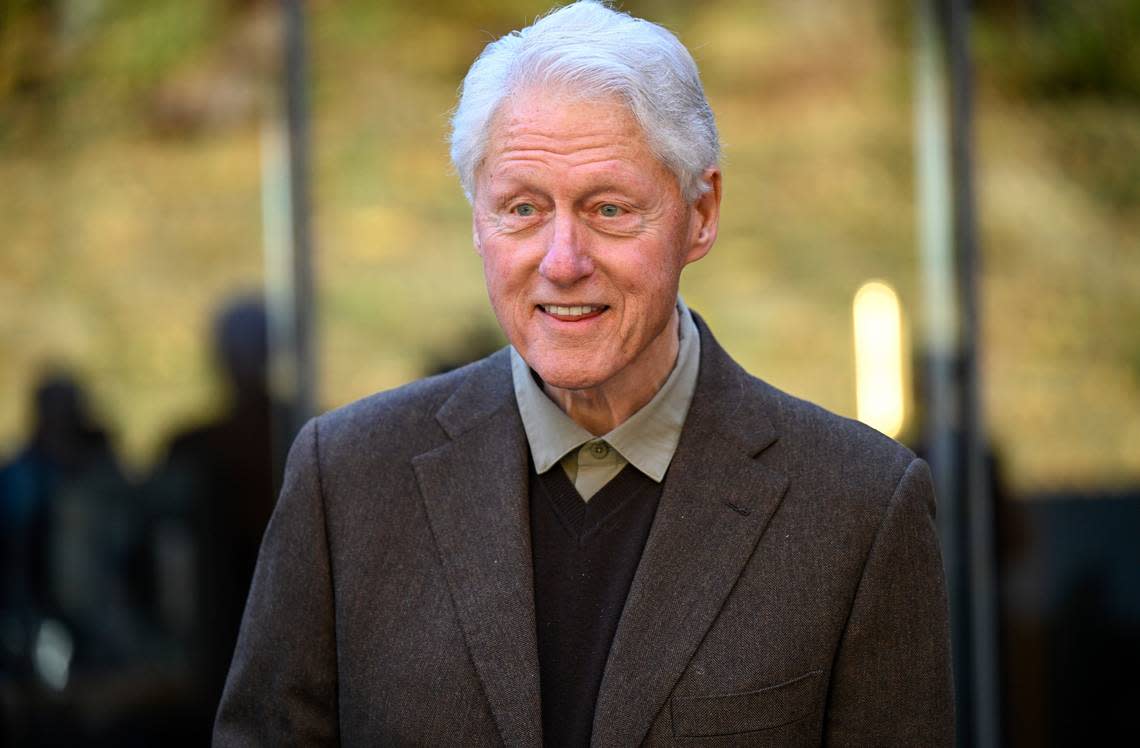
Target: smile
571 313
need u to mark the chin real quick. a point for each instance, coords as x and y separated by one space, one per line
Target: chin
568 380
569 375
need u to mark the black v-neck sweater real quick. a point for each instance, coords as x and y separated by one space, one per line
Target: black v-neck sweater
585 556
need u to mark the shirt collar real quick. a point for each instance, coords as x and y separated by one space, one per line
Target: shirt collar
647 439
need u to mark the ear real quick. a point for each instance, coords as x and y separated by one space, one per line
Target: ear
705 218
475 234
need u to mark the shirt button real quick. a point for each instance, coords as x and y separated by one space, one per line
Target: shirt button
599 450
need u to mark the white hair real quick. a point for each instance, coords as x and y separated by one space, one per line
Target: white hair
594 51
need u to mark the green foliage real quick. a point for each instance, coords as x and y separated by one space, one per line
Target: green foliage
1065 49
141 41
1099 147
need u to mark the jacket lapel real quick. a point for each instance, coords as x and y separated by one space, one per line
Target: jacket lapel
474 489
716 502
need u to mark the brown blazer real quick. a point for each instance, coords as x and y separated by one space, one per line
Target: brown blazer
790 593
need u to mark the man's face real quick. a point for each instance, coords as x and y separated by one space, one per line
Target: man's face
583 234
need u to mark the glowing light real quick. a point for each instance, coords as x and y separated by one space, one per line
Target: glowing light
879 358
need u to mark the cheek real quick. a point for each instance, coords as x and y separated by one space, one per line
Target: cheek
505 282
650 291
493 278
650 281
495 270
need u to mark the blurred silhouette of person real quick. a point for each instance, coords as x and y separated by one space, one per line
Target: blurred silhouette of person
213 496
70 540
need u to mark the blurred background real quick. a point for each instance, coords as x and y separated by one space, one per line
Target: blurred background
220 217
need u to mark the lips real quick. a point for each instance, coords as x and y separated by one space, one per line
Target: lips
573 313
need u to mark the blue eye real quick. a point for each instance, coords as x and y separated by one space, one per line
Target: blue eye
524 210
609 210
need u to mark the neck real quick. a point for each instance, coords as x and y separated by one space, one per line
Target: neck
603 408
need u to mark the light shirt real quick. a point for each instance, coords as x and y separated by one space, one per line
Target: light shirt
647 439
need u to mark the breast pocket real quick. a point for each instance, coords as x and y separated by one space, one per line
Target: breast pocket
760 712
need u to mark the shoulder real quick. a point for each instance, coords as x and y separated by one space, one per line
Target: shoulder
842 467
821 452
811 430
844 479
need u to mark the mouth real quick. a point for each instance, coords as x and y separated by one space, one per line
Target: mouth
573 313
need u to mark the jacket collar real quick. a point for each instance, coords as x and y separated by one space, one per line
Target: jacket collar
716 502
480 522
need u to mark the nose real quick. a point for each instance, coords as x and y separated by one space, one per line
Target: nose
566 260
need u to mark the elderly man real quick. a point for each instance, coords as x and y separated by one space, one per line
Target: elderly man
607 534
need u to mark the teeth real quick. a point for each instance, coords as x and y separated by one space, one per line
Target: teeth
570 311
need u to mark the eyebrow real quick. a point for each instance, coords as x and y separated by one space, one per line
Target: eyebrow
627 182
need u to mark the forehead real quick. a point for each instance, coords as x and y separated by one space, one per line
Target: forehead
552 127
559 111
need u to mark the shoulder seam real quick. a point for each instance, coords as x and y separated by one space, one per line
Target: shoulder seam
328 550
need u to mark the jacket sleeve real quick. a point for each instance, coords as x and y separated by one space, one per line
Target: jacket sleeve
282 684
891 682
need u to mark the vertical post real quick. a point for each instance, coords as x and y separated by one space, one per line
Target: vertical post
979 502
940 337
288 249
954 429
297 121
